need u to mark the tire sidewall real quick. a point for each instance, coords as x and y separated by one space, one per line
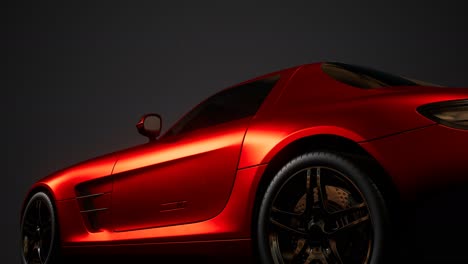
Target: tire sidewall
377 208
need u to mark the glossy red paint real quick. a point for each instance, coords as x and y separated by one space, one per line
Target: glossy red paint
142 200
420 160
198 190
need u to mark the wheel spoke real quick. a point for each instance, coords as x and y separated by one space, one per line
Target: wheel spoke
288 228
357 210
345 225
279 212
333 256
309 199
39 254
300 250
321 191
286 220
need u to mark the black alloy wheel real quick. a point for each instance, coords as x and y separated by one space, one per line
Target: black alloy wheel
320 208
38 231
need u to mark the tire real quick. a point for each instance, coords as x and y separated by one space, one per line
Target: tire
39 232
321 208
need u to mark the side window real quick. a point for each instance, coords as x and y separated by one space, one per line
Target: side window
228 105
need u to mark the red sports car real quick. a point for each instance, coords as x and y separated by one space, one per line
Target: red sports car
303 165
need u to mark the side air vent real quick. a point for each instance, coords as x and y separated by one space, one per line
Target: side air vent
94 200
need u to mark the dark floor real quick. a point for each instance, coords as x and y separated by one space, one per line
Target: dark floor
156 259
434 258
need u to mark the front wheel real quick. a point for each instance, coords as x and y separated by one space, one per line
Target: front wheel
39 239
321 208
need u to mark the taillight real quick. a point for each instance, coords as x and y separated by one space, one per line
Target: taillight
450 113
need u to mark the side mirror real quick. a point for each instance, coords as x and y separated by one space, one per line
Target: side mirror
150 126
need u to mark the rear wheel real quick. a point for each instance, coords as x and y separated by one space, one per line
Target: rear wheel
320 208
39 239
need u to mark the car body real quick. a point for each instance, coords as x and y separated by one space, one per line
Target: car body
198 188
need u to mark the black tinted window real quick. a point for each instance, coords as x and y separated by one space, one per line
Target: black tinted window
231 104
363 77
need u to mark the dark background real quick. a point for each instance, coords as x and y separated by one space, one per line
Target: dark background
79 75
